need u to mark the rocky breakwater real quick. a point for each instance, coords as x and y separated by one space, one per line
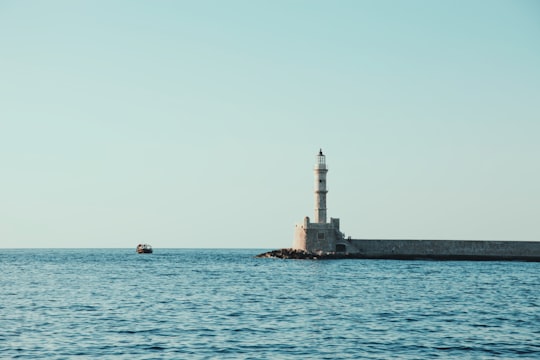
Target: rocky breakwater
302 255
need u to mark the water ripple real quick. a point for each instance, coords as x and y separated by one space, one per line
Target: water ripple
226 304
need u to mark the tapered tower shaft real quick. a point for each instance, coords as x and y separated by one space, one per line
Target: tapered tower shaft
320 188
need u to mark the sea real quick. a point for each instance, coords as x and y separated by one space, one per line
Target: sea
228 304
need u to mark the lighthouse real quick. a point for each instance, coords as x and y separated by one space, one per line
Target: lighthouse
320 188
319 236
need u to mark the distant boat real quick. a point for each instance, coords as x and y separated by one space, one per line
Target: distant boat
144 249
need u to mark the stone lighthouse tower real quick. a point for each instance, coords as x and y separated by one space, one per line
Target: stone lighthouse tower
320 188
319 236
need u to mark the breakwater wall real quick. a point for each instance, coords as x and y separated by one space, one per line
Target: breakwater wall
444 249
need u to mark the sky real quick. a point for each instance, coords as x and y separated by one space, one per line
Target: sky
196 124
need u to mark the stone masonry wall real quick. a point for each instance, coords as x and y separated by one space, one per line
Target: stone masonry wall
448 249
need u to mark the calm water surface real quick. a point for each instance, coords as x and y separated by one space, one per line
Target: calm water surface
226 304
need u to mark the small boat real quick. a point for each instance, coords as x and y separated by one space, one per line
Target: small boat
144 249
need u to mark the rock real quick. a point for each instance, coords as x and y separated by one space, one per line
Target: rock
289 253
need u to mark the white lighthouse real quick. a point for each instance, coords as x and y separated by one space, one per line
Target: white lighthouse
320 235
320 188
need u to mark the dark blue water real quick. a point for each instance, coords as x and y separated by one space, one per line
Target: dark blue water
226 304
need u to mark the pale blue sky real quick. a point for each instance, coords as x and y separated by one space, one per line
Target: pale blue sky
196 123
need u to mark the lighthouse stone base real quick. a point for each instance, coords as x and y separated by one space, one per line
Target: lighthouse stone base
318 237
